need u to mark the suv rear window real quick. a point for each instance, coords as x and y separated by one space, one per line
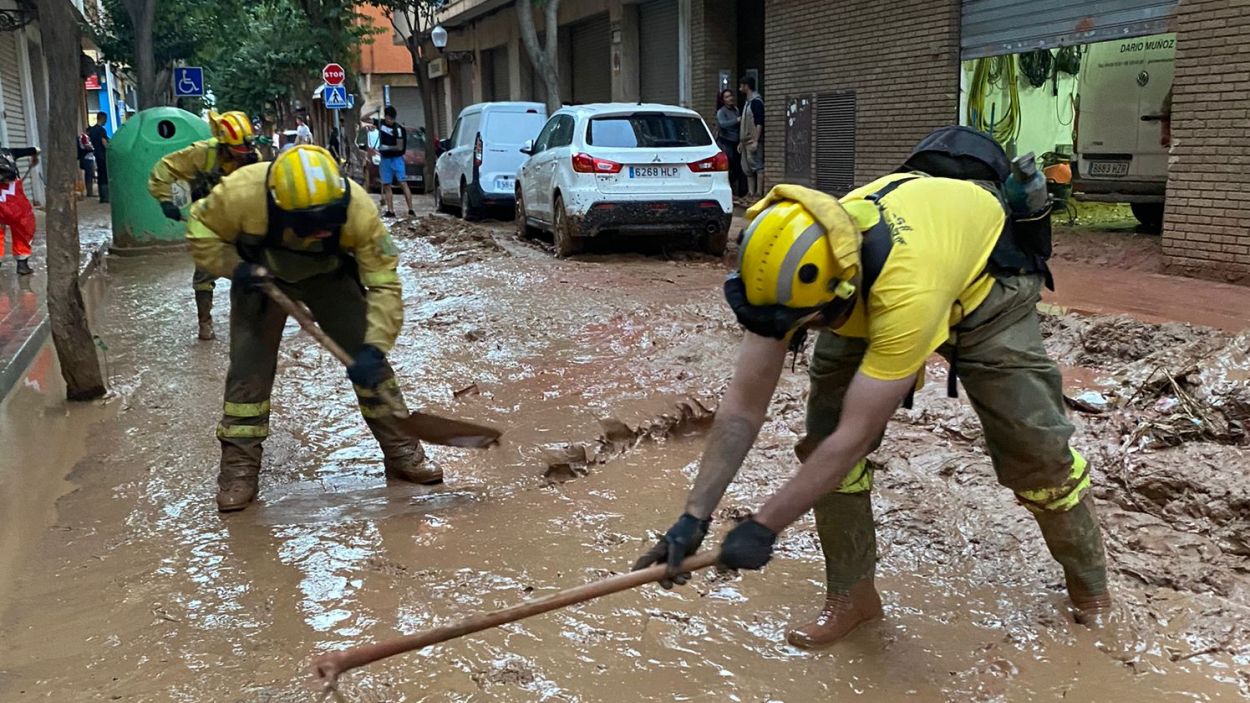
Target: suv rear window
512 128
647 130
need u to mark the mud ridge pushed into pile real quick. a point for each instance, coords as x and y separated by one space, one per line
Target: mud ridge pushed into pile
569 461
461 242
1106 342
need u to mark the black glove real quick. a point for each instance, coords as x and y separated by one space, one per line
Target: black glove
248 275
171 211
368 369
681 540
774 321
747 546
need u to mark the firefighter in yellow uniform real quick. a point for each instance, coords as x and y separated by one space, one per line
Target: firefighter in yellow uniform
190 173
893 272
298 223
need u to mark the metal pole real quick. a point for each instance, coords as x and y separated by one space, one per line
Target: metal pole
339 131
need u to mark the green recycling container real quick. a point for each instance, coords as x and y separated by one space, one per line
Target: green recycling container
136 147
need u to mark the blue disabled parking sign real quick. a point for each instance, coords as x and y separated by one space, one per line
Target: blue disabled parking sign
188 82
335 97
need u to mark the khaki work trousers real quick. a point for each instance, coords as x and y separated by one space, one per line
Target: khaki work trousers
337 301
1016 391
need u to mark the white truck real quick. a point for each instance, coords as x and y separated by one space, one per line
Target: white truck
1124 99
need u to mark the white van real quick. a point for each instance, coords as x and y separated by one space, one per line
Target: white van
478 163
1120 157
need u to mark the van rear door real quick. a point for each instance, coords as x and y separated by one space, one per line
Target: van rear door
504 131
1122 89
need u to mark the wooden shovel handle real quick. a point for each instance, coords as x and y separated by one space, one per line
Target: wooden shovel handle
328 667
306 321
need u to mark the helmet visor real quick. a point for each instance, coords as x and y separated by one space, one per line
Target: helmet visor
315 221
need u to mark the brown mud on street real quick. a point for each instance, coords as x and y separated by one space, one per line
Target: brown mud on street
603 370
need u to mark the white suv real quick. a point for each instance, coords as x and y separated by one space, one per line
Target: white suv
627 168
477 163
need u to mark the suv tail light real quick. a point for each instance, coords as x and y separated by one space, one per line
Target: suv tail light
585 163
477 150
720 162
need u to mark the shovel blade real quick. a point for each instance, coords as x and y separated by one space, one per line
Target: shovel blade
448 432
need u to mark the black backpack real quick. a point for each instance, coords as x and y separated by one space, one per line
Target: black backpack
965 154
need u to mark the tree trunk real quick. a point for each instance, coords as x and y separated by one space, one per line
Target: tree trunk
142 18
544 59
420 67
70 334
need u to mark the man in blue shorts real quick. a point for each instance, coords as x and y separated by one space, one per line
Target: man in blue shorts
392 143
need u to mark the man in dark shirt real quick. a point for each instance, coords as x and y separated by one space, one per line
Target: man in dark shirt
751 136
392 143
99 144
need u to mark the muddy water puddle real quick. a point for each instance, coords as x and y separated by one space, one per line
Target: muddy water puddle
143 592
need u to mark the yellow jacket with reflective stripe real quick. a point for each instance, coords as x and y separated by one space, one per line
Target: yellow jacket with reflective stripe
236 212
196 164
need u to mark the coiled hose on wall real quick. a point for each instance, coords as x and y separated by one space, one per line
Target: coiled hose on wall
1002 123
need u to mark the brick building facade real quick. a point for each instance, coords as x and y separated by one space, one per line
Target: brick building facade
895 66
1206 229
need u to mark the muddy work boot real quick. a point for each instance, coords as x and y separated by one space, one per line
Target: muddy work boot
411 464
204 313
1075 541
238 478
843 612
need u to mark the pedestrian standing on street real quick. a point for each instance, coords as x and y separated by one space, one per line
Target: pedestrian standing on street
86 162
16 213
297 223
392 145
303 134
900 268
99 138
189 174
751 136
728 120
333 144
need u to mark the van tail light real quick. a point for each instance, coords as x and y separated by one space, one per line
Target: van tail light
718 163
477 151
585 163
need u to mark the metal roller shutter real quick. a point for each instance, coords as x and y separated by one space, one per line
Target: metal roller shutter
495 74
995 27
592 64
407 101
657 48
11 82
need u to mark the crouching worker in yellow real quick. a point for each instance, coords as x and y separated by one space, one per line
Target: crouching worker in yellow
298 223
905 266
188 174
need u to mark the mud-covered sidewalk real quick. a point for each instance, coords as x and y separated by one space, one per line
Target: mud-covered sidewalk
604 370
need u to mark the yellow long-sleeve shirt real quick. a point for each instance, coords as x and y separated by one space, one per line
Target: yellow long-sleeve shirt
235 216
196 165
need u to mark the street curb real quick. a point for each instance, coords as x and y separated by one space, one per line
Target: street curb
13 371
147 249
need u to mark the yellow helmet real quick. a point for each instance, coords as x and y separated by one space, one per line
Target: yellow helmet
306 177
232 129
785 258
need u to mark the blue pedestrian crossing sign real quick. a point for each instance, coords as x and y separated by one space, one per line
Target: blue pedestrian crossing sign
188 82
335 97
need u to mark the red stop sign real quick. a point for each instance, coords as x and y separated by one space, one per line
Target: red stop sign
333 74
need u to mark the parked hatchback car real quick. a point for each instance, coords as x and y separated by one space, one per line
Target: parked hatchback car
625 168
478 163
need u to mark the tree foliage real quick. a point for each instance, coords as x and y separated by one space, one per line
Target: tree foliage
272 51
181 28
